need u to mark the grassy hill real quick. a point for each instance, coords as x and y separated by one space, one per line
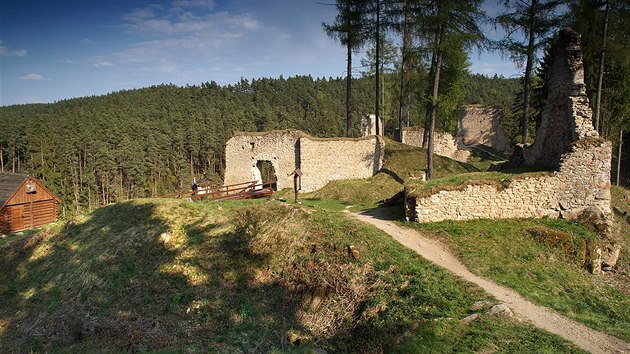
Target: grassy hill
400 163
267 275
507 251
251 276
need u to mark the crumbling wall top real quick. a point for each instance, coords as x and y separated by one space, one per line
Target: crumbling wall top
567 115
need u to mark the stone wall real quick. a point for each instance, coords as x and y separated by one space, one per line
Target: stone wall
368 125
320 160
482 125
325 160
445 144
581 183
244 150
567 116
566 142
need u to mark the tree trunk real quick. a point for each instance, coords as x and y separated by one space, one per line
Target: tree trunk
383 97
41 155
349 45
122 191
600 80
349 91
403 72
427 122
434 103
192 168
13 159
1 161
103 190
377 64
619 155
528 73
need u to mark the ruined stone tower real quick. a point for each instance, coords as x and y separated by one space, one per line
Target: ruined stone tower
567 116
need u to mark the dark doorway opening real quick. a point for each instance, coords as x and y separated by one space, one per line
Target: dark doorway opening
268 173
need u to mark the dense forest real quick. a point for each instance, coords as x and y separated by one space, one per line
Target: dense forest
149 142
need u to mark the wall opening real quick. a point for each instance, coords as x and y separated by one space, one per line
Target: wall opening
267 173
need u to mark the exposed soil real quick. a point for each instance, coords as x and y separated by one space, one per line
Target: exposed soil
540 316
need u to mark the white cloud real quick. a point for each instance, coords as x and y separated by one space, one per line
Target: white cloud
182 46
6 52
201 4
33 77
139 15
100 63
87 41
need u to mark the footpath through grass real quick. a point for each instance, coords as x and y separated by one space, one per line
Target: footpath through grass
504 251
249 276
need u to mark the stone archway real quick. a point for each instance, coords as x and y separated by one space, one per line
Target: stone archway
264 172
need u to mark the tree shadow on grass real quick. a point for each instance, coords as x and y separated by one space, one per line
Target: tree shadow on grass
125 280
130 278
88 280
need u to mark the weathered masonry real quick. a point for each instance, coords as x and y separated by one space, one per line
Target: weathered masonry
566 142
250 156
477 125
24 203
482 125
444 143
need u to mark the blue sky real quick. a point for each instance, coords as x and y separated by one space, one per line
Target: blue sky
54 50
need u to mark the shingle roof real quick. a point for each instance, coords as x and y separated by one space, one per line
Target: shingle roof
9 183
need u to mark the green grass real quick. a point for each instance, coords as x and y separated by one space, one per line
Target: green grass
401 163
482 157
506 252
621 209
160 275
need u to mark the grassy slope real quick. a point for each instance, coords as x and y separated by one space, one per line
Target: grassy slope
237 276
506 252
399 164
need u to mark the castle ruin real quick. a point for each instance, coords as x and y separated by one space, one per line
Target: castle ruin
320 160
444 143
482 125
565 142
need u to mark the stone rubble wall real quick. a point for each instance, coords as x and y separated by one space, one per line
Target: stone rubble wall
566 142
445 144
567 115
320 160
368 125
244 150
325 160
482 125
569 191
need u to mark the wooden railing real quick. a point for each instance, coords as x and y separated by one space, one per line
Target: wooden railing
246 190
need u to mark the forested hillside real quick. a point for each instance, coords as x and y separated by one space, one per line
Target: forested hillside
148 142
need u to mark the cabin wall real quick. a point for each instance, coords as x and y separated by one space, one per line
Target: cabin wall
26 210
24 216
21 197
4 226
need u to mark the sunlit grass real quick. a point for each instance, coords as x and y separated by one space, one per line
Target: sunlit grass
507 253
236 276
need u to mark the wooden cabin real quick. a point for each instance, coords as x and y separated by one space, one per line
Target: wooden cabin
24 203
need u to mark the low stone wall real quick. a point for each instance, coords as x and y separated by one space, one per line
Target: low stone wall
444 143
320 160
482 125
325 160
581 183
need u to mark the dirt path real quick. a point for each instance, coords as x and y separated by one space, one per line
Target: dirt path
542 317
